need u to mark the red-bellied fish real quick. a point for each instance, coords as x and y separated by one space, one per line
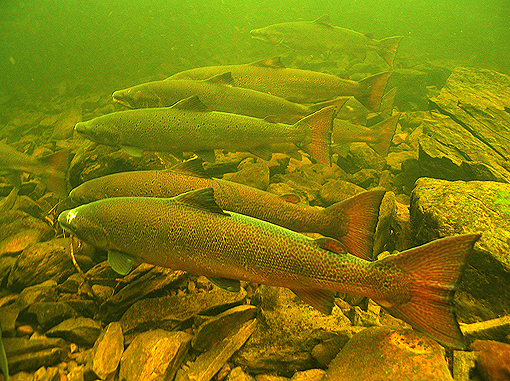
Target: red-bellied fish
192 233
352 221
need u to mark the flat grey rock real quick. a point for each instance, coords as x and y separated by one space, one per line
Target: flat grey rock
154 355
80 330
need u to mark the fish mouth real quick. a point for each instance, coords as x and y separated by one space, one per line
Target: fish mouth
81 128
119 99
258 35
64 220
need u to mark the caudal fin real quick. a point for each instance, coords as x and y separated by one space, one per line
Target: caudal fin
320 125
431 273
384 132
354 222
55 173
388 48
338 102
372 90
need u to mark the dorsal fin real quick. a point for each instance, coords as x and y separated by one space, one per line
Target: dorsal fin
273 62
324 20
193 167
222 79
201 199
331 244
191 103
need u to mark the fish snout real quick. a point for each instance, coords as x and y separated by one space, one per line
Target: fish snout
257 33
83 222
81 128
122 97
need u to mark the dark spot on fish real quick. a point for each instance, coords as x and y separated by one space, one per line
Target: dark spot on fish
507 109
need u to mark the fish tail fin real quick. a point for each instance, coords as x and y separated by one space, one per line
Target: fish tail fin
388 48
361 214
372 90
387 102
338 102
320 124
55 176
384 132
433 272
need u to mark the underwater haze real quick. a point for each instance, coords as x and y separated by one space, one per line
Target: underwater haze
113 43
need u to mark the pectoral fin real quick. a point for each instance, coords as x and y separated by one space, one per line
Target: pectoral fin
120 262
132 151
322 300
231 285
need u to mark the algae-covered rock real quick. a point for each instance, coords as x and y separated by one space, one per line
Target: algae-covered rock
290 329
467 138
442 208
385 354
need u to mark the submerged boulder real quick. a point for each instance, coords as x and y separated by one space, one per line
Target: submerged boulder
385 353
442 208
466 136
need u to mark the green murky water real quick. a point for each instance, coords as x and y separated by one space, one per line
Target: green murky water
111 43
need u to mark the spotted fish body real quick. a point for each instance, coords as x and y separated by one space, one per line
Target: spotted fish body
186 126
190 232
296 85
218 94
352 222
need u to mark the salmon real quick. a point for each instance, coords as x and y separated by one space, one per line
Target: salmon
188 126
192 233
295 85
352 221
219 94
322 36
51 169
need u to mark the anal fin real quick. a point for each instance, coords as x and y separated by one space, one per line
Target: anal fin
322 300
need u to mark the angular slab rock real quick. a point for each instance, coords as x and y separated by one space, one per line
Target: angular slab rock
238 374
209 363
107 351
80 330
169 312
217 328
253 174
442 208
150 279
154 355
381 354
290 330
467 139
28 355
18 230
48 260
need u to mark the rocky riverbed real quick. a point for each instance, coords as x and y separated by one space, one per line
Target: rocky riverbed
66 315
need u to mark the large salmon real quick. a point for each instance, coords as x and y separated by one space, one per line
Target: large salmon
352 221
189 127
219 94
191 232
322 36
296 85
